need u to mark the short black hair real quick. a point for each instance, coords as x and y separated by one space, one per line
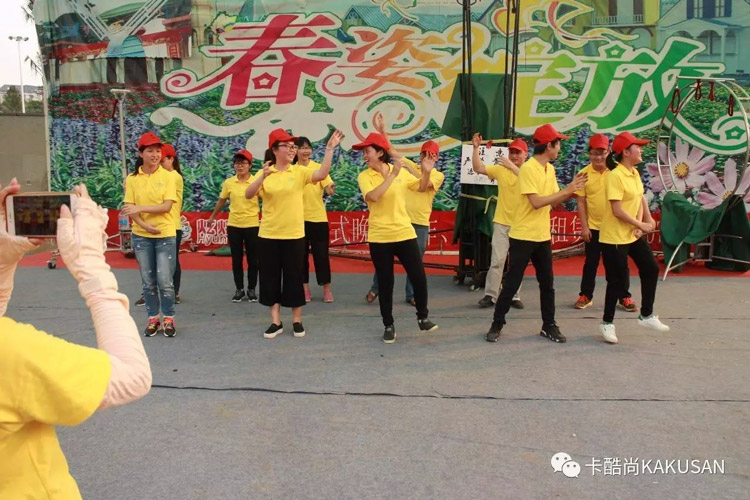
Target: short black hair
541 148
303 141
386 158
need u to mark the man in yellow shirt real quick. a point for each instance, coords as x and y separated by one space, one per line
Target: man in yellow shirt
508 200
530 237
592 204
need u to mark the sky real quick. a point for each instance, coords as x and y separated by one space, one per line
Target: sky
12 23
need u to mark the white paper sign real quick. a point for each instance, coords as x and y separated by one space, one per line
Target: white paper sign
489 156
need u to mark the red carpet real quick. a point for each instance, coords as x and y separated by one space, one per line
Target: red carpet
570 266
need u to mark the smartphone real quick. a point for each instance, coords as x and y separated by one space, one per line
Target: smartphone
35 214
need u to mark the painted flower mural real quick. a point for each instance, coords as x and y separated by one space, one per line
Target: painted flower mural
689 167
718 191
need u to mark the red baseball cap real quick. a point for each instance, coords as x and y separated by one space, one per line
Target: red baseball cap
374 139
599 141
624 140
168 150
245 154
546 134
519 144
148 139
430 147
279 135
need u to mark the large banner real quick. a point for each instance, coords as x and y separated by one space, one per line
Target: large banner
214 76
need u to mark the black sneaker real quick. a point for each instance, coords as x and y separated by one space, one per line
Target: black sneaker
516 304
486 301
140 302
251 297
273 330
553 333
177 299
153 327
238 296
389 335
299 330
494 334
426 325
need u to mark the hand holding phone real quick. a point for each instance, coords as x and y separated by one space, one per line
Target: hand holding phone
35 214
12 247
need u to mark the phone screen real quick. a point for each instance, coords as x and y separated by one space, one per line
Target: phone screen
36 215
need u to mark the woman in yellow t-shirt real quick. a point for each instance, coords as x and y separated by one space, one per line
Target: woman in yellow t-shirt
316 224
242 226
384 187
171 163
624 223
281 239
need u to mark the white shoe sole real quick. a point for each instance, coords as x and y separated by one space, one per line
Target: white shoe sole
299 335
663 328
390 341
430 330
273 335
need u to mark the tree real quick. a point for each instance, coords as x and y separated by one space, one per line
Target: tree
12 101
34 107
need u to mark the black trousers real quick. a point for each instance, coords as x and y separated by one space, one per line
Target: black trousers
408 254
244 241
519 254
316 239
281 272
590 266
177 277
616 267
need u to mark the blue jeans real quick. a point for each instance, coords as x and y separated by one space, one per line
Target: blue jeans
423 233
157 263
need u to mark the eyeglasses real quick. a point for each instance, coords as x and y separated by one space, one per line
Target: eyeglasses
288 146
241 163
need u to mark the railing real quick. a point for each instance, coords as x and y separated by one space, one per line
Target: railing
620 20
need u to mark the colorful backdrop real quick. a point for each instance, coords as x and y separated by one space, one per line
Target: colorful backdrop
213 76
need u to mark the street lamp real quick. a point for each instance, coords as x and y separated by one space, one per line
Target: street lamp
20 39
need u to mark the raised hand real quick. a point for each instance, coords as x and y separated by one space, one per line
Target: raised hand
379 123
335 139
397 164
579 181
267 169
476 140
428 162
12 248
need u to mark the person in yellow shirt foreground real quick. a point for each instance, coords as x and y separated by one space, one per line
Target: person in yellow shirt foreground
624 224
150 192
391 234
508 201
242 226
317 234
530 236
46 381
282 229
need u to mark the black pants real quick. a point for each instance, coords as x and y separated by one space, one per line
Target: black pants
244 240
177 269
281 272
590 266
316 238
408 254
519 254
616 267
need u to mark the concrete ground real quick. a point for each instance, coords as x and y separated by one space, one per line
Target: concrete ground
339 414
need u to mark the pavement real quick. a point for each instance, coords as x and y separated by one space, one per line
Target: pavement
444 415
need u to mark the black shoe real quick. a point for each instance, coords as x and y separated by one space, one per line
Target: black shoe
426 325
140 302
494 334
411 302
389 335
299 330
238 296
152 328
177 298
486 301
273 330
516 304
251 297
553 333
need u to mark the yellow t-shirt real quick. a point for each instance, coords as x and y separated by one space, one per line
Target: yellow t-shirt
312 198
529 223
508 195
388 222
243 212
419 204
153 189
626 186
283 206
177 205
44 381
596 196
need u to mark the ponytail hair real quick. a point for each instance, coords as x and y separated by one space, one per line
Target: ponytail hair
613 159
138 163
269 156
176 165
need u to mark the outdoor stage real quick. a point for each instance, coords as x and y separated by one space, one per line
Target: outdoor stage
339 414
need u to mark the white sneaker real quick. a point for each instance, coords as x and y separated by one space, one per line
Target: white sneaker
608 332
653 323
